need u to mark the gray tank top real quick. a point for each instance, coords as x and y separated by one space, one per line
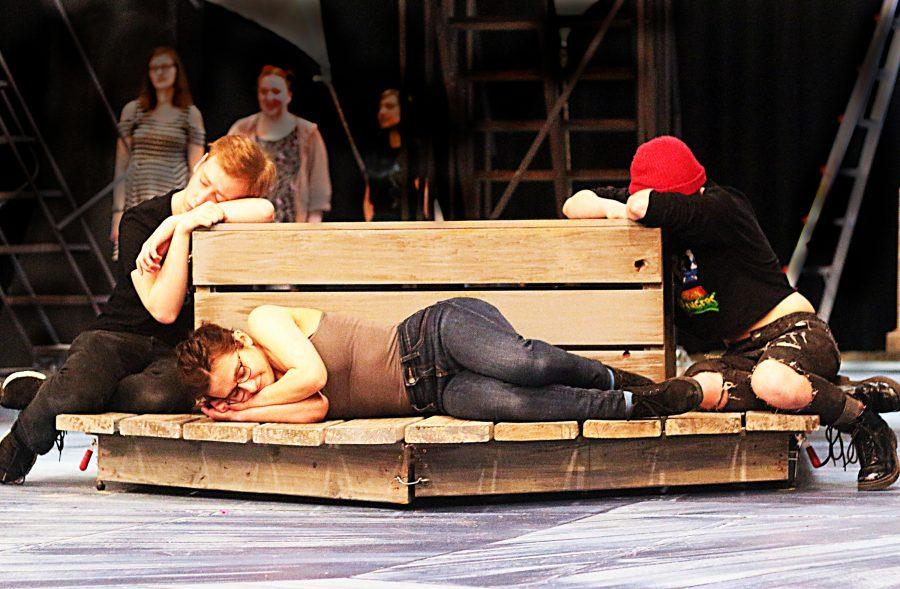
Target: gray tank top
365 377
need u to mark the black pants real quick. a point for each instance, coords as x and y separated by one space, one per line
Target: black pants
104 371
800 341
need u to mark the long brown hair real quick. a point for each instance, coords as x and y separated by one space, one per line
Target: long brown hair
182 95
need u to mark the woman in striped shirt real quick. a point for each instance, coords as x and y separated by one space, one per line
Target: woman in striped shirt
162 136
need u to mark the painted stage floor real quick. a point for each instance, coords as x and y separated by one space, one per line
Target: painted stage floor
58 531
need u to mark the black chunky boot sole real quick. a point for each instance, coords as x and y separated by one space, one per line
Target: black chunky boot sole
882 483
885 481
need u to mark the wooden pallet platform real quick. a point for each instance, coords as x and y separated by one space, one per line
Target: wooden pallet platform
395 460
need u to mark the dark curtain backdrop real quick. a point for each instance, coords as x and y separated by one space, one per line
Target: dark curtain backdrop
762 83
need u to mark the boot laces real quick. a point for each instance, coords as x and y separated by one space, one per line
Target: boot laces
837 450
60 443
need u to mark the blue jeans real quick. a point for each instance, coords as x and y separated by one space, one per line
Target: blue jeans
461 357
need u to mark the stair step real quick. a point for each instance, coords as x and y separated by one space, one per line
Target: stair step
599 175
525 75
17 139
27 193
598 125
41 248
506 23
55 300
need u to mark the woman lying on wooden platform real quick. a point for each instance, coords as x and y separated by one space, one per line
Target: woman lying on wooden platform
459 357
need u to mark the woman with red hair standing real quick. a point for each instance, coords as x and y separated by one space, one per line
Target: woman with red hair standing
302 190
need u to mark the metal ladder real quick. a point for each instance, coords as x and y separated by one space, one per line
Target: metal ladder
869 121
21 136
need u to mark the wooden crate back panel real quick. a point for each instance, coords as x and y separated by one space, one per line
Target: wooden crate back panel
562 317
474 252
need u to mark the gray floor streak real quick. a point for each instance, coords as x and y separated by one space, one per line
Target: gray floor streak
58 531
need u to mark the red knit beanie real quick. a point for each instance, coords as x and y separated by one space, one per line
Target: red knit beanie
666 164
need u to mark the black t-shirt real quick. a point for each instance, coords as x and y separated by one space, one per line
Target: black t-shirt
726 274
124 311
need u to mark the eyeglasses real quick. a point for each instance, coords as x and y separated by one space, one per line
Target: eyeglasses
161 68
241 375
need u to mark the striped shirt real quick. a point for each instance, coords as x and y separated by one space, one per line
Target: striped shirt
158 161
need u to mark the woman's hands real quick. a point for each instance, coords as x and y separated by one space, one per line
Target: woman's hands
309 410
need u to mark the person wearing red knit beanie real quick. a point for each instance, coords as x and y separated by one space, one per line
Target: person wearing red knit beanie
730 287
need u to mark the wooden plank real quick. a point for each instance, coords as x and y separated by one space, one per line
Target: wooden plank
782 422
535 431
619 429
702 423
650 362
293 434
443 429
218 431
592 252
362 473
579 317
387 430
98 423
156 425
585 464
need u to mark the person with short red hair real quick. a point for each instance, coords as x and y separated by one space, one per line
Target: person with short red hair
729 286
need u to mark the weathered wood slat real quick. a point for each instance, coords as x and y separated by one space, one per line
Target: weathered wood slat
585 464
293 434
442 429
535 431
702 423
650 362
218 431
364 474
580 317
156 425
99 423
593 252
369 431
765 421
619 429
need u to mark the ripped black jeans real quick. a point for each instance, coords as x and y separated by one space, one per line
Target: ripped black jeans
801 341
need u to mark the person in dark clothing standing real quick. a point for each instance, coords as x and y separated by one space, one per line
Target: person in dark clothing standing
125 360
396 187
729 286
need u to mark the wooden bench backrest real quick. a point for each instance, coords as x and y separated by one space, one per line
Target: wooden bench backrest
592 286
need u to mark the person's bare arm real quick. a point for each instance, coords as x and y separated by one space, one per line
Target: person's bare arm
290 351
162 293
584 204
310 410
123 157
638 203
244 210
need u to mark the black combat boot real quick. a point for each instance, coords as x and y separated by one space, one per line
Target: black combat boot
876 449
16 460
624 379
670 397
879 393
19 388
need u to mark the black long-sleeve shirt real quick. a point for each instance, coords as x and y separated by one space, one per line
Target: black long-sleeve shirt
726 275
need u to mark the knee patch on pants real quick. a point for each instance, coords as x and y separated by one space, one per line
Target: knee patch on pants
734 380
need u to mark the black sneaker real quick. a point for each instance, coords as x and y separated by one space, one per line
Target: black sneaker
879 393
876 449
19 389
670 397
624 379
15 460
